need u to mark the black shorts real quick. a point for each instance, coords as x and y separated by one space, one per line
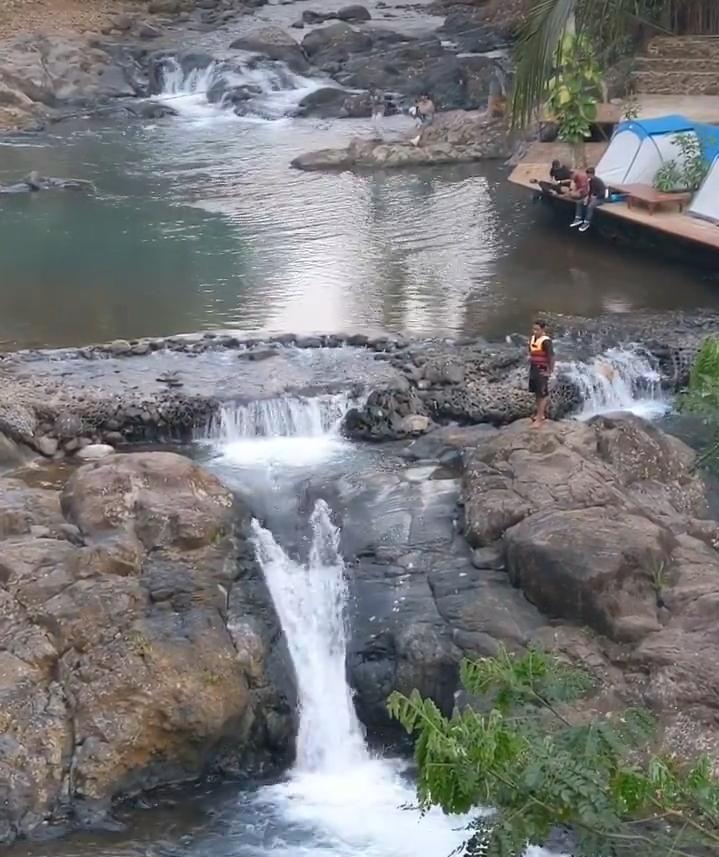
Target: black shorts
538 382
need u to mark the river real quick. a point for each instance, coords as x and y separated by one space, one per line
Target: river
199 223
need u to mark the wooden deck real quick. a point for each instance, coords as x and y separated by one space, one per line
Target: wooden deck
681 226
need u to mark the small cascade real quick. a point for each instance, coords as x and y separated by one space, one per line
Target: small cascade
292 431
621 379
290 416
310 601
265 90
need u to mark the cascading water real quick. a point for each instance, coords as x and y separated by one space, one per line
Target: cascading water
257 89
310 600
621 379
347 802
289 430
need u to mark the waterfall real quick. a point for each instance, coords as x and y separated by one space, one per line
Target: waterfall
290 431
350 803
621 379
289 416
241 85
310 601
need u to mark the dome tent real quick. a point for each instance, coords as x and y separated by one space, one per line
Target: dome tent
706 202
639 147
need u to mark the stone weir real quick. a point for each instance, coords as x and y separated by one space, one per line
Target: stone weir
162 390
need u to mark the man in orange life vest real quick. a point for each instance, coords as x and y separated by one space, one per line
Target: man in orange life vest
541 366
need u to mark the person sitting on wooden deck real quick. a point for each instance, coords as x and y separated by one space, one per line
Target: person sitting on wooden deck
560 180
596 195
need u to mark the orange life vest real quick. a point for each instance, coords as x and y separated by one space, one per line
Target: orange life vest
537 355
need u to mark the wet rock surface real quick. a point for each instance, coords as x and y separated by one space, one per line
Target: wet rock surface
599 567
137 641
457 137
170 389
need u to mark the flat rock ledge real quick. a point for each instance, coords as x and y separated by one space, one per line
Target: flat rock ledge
457 137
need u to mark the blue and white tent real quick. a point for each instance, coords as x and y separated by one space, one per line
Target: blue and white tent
706 202
639 147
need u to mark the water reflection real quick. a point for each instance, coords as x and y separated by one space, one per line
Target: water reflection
201 224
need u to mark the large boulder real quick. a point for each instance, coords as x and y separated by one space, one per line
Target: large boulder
162 498
615 461
331 102
137 641
591 566
274 43
602 526
354 13
335 43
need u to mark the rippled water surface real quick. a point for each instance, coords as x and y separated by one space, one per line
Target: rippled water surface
200 223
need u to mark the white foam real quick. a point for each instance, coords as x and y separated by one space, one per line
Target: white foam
621 379
278 90
345 802
291 431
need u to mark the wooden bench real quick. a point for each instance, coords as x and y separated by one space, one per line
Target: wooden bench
651 197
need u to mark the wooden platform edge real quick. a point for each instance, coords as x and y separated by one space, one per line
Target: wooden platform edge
683 226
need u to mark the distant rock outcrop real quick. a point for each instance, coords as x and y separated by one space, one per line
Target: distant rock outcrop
456 137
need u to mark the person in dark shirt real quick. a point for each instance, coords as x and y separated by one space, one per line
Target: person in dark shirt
560 172
561 179
541 366
596 194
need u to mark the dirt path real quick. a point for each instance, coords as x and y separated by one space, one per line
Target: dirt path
57 16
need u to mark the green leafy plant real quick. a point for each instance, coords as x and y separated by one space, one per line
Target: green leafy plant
688 170
609 25
524 765
669 177
574 90
701 396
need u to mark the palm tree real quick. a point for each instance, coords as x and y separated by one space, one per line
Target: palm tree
604 21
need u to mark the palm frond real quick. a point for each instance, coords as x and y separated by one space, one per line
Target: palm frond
605 22
536 52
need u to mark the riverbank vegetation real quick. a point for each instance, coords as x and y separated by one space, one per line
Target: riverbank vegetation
613 28
543 765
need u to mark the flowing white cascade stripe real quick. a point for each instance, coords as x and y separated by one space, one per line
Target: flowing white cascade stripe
621 379
289 416
351 803
310 601
273 90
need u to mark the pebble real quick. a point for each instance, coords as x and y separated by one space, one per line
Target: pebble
119 346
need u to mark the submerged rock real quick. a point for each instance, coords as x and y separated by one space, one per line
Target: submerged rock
35 182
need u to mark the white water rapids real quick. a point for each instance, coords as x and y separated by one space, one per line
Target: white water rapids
270 91
351 803
621 379
340 800
291 430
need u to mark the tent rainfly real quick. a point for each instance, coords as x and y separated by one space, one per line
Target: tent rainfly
639 147
706 202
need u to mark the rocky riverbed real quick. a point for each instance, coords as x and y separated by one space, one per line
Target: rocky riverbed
139 624
347 52
163 389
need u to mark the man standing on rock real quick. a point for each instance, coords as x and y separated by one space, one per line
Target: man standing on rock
541 366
